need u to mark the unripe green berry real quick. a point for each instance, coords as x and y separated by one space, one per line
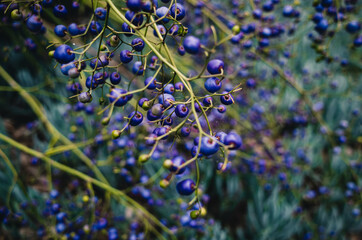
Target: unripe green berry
114 41
146 105
105 121
194 214
51 53
116 134
103 47
16 14
236 29
143 158
164 183
167 164
203 212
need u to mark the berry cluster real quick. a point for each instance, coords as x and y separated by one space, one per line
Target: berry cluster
162 95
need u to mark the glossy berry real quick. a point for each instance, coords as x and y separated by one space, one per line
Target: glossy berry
127 29
135 118
34 23
134 5
115 78
213 84
137 68
181 111
60 11
73 29
268 6
181 50
185 131
100 13
207 102
166 100
91 83
161 29
215 66
95 27
60 30
220 136
194 151
179 86
169 88
125 56
63 54
221 108
192 45
138 44
119 96
322 26
186 187
167 121
178 11
227 99
353 27
176 163
135 19
163 12
16 15
288 11
209 146
150 82
233 140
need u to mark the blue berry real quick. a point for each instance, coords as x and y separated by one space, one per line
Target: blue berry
126 28
178 10
74 29
166 100
176 163
100 13
233 140
134 5
34 23
60 11
213 84
322 26
192 44
115 78
181 110
209 146
63 54
115 94
138 44
181 50
95 27
353 27
135 118
215 66
125 56
185 131
288 11
169 88
91 83
186 187
150 82
163 12
135 19
227 99
137 68
60 30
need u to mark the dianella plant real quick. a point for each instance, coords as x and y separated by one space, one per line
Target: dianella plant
180 119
